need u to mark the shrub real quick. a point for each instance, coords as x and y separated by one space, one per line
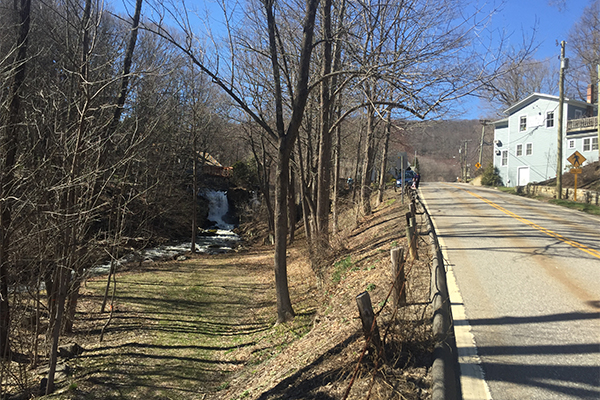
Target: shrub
340 269
491 176
244 174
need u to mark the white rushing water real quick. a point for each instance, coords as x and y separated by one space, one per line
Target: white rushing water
218 206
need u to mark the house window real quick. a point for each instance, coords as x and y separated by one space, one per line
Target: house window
595 143
578 114
529 149
523 123
549 119
586 144
505 157
519 150
572 143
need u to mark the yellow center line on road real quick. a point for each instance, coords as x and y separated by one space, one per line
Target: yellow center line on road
582 247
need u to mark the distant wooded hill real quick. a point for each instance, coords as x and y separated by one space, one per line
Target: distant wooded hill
437 145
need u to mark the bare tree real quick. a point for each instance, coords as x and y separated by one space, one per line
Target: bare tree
584 39
10 143
384 157
519 79
284 131
415 56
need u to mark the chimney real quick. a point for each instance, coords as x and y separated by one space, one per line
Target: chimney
591 94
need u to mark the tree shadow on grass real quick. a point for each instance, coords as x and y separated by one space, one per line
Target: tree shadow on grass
298 386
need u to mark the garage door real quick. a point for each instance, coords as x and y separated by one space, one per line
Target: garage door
522 176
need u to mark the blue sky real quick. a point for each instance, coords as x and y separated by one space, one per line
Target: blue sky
552 24
552 21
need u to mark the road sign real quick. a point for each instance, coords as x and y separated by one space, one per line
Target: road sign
575 170
576 159
478 165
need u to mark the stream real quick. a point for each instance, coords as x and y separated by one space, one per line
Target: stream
219 239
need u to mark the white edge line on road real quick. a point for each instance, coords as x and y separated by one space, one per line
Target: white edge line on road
472 381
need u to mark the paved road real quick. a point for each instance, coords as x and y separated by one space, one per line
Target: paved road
529 276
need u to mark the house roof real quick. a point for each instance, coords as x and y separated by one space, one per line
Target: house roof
500 121
208 159
535 96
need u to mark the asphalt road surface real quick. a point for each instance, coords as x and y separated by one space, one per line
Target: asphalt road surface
528 289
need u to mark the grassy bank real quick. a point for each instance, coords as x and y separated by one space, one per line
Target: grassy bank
585 207
179 329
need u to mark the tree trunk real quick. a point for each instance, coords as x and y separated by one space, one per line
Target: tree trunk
127 61
10 143
263 181
303 199
61 289
285 143
336 174
194 194
72 300
324 165
357 165
73 193
74 293
111 271
285 311
292 207
383 172
365 187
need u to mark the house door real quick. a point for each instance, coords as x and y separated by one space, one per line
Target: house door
522 176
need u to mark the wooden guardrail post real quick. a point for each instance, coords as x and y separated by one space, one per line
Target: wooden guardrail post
399 292
367 316
411 236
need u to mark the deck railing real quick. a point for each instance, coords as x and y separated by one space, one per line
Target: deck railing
581 124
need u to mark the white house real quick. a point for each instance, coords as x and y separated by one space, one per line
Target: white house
526 141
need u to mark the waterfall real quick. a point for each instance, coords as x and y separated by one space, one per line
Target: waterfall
221 241
218 206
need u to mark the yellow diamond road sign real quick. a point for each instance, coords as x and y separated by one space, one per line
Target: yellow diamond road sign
576 159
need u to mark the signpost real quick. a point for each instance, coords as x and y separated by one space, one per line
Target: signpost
576 159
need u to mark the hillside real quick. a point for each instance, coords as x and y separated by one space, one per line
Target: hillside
588 179
203 328
437 144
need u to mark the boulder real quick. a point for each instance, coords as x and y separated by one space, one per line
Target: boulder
70 350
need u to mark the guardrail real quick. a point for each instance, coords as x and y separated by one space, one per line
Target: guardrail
445 369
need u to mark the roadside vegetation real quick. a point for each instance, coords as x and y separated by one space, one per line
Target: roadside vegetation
589 179
585 207
491 176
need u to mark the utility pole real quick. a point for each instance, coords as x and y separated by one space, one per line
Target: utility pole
465 166
483 123
460 158
561 99
466 161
